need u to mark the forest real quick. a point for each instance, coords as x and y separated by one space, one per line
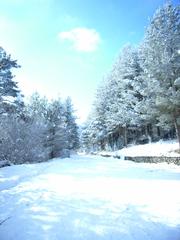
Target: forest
138 101
35 130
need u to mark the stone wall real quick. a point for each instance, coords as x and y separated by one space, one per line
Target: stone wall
147 159
155 159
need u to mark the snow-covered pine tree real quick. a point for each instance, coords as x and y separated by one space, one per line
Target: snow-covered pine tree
123 93
113 110
97 118
37 108
85 142
71 127
10 97
161 65
57 138
36 113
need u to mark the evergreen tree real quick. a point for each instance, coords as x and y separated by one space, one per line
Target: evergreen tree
56 136
123 94
37 108
70 125
161 66
10 97
85 141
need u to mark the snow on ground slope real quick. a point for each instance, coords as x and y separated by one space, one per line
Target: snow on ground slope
161 148
90 198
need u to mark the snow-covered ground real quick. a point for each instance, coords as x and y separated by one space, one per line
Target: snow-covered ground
161 148
90 198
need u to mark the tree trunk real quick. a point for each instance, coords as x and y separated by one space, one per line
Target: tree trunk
52 134
147 133
177 127
102 145
125 136
158 131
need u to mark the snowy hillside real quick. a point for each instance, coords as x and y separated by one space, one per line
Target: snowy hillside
90 198
161 148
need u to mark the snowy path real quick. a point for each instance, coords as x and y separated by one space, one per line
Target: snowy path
90 198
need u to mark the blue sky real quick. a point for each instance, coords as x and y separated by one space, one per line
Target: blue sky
65 47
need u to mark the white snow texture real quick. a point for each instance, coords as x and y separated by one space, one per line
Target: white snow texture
90 198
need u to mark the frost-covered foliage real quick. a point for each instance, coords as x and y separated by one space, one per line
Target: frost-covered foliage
21 141
161 65
56 135
70 125
139 100
61 131
37 130
10 97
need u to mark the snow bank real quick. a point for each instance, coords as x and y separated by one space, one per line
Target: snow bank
161 148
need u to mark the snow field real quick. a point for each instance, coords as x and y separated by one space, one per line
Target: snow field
90 197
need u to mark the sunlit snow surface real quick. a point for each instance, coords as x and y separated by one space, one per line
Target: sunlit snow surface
161 148
90 198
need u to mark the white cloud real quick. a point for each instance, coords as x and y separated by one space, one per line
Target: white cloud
82 39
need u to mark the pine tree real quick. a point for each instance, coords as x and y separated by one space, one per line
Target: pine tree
37 108
161 65
70 125
85 141
123 93
56 136
10 97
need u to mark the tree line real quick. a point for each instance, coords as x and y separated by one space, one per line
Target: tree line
34 131
139 99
